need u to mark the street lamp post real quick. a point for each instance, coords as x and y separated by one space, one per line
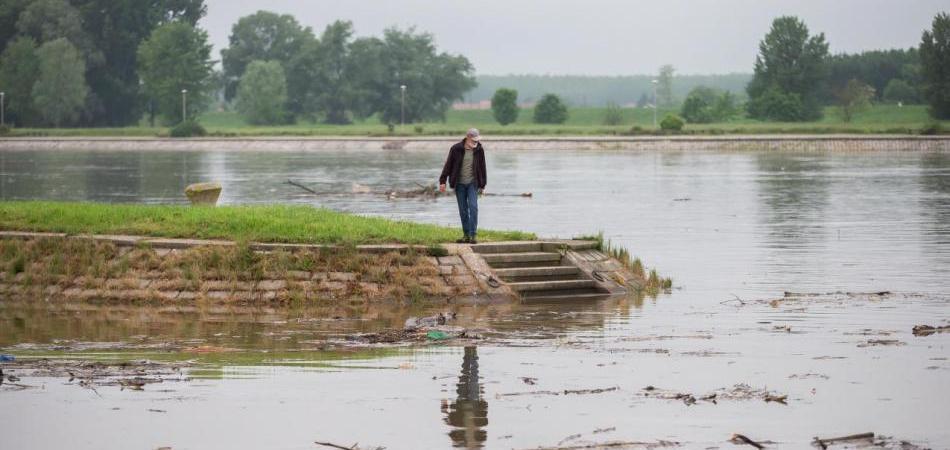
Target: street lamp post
184 103
654 102
402 114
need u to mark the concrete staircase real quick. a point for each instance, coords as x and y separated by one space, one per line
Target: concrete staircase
538 271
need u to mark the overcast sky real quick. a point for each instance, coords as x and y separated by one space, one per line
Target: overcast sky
603 37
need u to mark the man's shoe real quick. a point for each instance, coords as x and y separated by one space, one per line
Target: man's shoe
472 240
463 240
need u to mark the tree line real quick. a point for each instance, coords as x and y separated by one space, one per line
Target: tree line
794 79
109 63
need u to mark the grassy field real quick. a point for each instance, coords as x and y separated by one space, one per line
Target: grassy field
888 119
289 224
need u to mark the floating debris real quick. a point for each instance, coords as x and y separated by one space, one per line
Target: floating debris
564 392
737 392
927 330
740 439
880 342
823 443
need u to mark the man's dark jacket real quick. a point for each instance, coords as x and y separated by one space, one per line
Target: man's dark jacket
453 165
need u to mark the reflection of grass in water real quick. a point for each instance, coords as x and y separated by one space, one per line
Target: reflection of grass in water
651 285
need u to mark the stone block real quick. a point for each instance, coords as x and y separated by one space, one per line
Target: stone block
450 260
298 275
342 276
333 286
461 280
369 288
218 295
165 295
271 285
204 194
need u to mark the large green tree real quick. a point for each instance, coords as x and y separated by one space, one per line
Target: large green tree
60 91
504 106
433 80
789 72
9 15
262 93
48 20
935 66
333 87
117 28
369 76
266 36
19 69
176 56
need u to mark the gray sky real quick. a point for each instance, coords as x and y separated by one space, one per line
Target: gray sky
603 37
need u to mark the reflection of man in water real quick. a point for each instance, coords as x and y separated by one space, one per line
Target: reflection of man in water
468 414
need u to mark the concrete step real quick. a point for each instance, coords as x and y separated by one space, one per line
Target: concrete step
526 257
564 295
553 246
551 285
507 247
543 271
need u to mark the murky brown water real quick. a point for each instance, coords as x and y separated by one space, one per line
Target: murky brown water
724 225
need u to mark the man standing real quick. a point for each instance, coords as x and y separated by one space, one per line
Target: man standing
465 170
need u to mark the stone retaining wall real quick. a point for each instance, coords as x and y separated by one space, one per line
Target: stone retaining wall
428 278
642 143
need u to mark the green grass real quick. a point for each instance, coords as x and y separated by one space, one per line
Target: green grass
887 119
288 224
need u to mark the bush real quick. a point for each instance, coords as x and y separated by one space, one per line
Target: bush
931 128
614 114
776 105
4 130
707 105
672 122
699 104
550 110
189 128
504 106
419 129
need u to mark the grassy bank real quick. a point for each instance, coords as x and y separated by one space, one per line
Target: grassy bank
880 119
85 270
288 224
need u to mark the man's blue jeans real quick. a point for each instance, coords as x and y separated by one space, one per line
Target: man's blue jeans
467 197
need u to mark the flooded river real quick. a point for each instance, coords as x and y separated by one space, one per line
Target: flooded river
796 274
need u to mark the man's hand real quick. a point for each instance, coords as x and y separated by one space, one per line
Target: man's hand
481 191
442 188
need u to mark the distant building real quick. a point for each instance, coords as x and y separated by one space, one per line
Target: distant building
484 104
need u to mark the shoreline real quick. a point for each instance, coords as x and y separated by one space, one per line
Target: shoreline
136 269
829 142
